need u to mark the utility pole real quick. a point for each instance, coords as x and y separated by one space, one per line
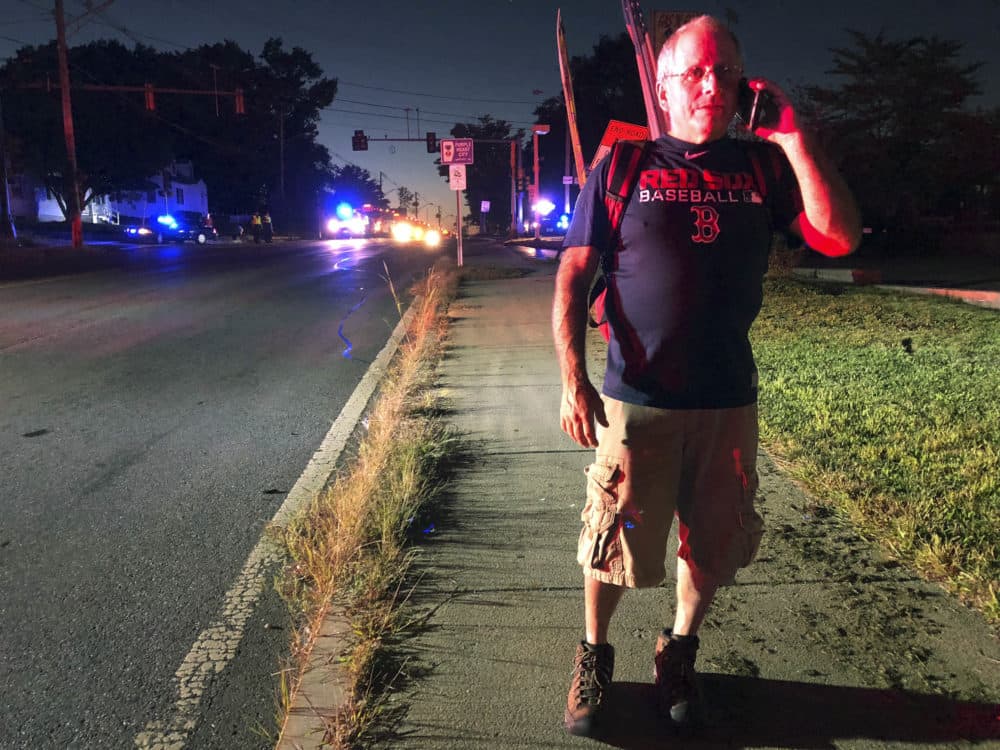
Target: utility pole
7 230
215 85
514 148
281 152
76 222
536 130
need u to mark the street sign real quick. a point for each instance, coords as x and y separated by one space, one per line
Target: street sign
484 207
456 175
618 131
456 150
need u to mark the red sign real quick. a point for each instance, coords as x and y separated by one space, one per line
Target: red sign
456 151
623 131
618 131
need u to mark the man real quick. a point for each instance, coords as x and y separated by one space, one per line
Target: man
676 426
268 227
256 226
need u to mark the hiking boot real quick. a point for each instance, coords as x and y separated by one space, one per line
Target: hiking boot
593 667
677 693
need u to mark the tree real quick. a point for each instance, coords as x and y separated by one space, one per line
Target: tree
269 155
606 87
899 121
488 177
405 198
355 185
119 146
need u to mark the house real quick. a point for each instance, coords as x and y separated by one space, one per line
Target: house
173 189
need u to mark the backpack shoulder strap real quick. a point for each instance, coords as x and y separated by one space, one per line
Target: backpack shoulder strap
761 155
627 159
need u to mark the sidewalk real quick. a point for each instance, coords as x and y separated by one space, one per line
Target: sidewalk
972 279
820 644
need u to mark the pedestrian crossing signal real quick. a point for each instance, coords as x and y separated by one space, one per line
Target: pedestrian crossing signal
359 142
432 143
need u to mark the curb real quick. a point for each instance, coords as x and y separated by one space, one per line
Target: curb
980 297
324 686
860 276
873 277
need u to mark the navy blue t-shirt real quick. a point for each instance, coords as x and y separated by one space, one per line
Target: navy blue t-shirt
687 280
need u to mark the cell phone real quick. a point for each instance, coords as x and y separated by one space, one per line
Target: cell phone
756 108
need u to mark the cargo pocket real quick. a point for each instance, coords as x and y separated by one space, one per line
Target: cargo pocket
750 522
600 516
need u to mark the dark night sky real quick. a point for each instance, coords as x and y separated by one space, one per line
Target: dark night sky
455 60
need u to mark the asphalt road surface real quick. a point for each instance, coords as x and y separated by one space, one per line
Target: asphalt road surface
153 418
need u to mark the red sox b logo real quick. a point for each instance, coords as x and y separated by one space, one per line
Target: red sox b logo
706 224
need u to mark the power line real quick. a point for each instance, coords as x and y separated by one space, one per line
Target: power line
46 11
131 34
464 117
436 96
345 160
36 19
391 117
16 41
107 20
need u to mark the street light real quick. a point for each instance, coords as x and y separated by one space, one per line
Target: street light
536 130
427 219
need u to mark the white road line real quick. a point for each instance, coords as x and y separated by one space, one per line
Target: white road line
216 645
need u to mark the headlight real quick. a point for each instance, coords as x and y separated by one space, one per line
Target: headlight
402 231
333 226
432 238
144 231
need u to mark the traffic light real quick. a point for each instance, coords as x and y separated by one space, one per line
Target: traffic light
432 143
241 108
150 97
360 141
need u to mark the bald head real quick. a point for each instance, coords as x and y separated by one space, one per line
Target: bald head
706 23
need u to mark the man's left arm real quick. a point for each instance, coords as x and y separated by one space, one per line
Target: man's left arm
830 222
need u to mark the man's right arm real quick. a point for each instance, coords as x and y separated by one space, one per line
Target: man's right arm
580 404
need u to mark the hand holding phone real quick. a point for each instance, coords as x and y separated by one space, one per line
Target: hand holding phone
756 108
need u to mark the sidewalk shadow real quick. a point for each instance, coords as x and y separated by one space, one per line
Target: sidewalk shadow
745 712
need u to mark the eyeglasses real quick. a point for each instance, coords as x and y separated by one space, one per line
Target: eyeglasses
724 74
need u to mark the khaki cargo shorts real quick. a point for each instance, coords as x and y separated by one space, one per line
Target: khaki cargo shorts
700 464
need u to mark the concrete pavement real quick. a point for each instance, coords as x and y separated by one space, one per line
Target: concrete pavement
499 591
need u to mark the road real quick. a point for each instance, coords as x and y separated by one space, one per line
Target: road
154 417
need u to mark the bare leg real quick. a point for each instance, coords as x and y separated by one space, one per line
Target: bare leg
600 601
694 595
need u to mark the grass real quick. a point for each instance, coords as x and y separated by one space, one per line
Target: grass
887 404
349 546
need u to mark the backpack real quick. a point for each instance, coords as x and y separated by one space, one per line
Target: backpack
627 159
